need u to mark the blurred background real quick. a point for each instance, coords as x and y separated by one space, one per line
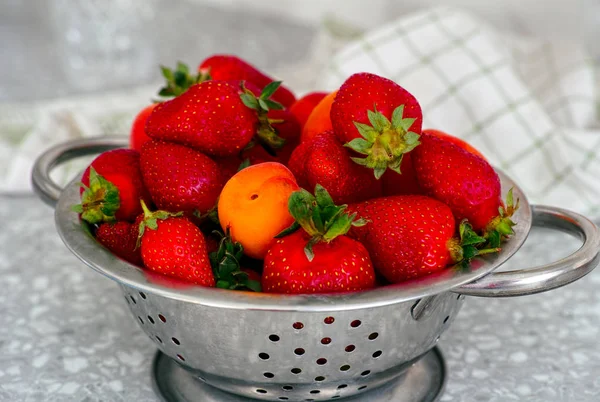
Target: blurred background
55 48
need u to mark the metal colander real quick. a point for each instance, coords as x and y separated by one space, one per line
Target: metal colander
300 348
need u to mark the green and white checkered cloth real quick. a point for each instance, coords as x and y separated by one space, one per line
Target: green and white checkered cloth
530 106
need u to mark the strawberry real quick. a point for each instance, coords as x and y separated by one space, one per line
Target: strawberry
404 183
209 117
325 161
121 239
137 136
112 187
318 258
465 182
229 67
303 106
172 245
180 178
377 118
412 235
455 140
229 274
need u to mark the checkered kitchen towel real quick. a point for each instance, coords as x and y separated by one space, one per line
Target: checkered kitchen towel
532 107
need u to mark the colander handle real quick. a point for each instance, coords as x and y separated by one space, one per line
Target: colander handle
41 181
550 276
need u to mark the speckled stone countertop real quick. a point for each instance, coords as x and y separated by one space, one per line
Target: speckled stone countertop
66 334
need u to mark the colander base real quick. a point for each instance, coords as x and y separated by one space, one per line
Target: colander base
424 381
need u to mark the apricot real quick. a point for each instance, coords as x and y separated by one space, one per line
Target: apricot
318 120
254 205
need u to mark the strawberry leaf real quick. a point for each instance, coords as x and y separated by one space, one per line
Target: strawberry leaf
245 163
100 201
366 131
308 249
378 120
379 171
270 89
263 104
249 100
359 145
295 226
397 116
273 105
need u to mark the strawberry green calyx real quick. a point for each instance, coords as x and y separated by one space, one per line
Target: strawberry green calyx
179 80
151 219
100 201
225 263
266 134
469 244
319 217
384 143
502 226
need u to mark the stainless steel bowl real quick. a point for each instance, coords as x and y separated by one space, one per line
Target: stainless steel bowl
276 347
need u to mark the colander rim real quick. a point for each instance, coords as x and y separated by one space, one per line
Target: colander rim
85 247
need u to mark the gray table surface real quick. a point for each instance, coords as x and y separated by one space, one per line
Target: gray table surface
67 334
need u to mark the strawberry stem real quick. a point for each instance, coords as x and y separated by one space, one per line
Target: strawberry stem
384 143
100 201
151 219
501 226
179 79
266 134
319 217
469 244
225 263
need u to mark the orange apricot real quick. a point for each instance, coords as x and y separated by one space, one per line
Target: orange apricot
318 120
254 206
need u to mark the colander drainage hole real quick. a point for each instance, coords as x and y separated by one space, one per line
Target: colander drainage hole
355 323
261 391
162 318
264 356
283 398
446 319
321 361
274 338
151 320
296 370
345 367
326 341
365 373
158 339
350 348
342 386
319 378
299 351
329 320
287 388
377 354
373 336
141 321
143 295
315 391
132 299
181 358
269 375
361 388
298 325
176 341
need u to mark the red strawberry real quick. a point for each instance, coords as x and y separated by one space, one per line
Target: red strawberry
324 160
455 140
463 181
180 178
411 236
137 136
112 188
173 246
404 183
303 106
229 274
377 118
209 117
121 239
228 67
318 258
